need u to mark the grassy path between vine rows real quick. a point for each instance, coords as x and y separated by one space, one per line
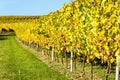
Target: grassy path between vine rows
17 63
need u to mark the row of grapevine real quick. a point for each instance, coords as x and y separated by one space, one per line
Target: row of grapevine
87 28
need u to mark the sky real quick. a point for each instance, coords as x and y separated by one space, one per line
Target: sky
30 7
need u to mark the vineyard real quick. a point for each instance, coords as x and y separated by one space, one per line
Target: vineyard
83 31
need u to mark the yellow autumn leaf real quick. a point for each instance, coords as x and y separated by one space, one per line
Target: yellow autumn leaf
112 60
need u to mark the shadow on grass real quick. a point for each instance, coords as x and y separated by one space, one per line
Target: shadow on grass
3 38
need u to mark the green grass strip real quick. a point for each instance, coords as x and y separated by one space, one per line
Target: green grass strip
17 63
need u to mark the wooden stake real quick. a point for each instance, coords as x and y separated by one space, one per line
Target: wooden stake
117 69
71 62
52 54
